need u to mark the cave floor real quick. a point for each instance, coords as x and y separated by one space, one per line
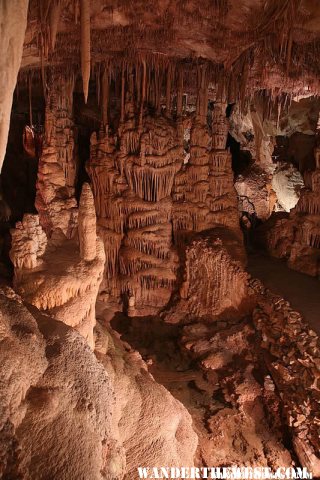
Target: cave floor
237 421
301 290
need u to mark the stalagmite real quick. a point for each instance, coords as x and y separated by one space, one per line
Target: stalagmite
85 45
87 224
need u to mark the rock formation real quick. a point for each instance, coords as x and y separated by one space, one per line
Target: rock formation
216 258
297 237
55 200
61 278
254 188
204 195
145 194
294 367
29 243
65 413
148 140
287 183
13 16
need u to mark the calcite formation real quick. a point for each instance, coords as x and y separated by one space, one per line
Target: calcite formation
255 192
67 414
141 133
61 278
87 225
13 16
203 192
216 259
287 182
132 190
237 426
29 243
149 202
55 199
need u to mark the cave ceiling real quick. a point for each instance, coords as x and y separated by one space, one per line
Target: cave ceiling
265 44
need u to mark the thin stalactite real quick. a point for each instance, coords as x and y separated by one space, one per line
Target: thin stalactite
85 45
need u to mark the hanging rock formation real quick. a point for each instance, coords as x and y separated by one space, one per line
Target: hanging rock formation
138 338
13 15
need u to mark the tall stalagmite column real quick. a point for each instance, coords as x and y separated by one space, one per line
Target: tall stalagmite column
13 23
87 224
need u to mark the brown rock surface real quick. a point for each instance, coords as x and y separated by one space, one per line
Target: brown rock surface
66 414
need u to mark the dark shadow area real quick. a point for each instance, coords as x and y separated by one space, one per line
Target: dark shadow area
297 149
20 168
241 159
301 290
83 149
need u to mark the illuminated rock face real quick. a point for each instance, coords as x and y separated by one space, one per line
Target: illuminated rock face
255 192
66 413
29 243
132 189
214 283
59 399
61 278
203 193
287 183
149 203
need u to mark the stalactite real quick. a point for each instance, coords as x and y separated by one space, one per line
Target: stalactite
54 22
30 100
289 52
98 83
168 91
105 96
85 45
43 76
123 80
179 92
143 94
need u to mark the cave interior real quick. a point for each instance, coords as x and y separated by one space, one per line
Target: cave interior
159 237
